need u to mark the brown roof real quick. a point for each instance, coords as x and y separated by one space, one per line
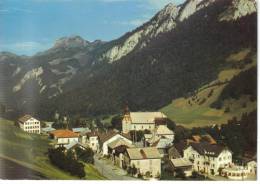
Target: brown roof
24 118
208 149
143 153
104 136
64 133
202 138
208 138
181 162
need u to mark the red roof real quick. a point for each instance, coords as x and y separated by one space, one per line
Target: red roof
64 134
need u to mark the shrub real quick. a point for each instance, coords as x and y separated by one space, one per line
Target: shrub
66 162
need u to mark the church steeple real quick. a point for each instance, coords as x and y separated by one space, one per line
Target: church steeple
126 110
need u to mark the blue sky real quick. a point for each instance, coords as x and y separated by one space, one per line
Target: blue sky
30 26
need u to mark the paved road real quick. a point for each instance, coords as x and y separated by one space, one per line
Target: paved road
111 172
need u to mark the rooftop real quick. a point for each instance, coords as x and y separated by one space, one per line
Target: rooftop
25 118
80 129
64 133
208 149
145 117
181 162
119 142
143 153
163 143
162 129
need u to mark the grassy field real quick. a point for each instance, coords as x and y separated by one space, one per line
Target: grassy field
30 151
191 112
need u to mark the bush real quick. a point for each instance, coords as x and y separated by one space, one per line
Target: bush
86 155
66 162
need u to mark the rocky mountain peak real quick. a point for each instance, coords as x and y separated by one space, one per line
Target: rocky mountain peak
71 42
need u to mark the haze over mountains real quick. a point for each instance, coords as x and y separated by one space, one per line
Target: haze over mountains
181 49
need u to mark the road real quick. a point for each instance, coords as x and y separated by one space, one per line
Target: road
110 171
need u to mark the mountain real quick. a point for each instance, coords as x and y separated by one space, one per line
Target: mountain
181 49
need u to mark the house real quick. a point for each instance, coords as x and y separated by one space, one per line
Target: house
146 160
181 164
108 137
29 124
92 140
82 133
142 120
208 158
64 137
234 172
164 131
117 149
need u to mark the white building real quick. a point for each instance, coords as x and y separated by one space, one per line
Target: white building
252 167
164 131
208 158
107 138
92 140
64 137
142 120
234 172
30 124
146 160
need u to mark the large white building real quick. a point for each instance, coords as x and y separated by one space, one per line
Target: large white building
30 124
142 120
208 158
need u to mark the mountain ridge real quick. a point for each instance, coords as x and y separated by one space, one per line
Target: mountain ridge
78 76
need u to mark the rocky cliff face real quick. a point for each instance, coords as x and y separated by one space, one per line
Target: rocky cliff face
238 9
163 22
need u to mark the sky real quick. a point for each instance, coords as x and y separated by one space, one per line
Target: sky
31 26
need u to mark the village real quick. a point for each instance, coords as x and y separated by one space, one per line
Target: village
145 148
